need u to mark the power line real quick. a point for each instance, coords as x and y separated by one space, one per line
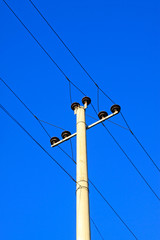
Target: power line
51 124
139 142
70 92
48 53
98 88
17 97
35 115
44 50
36 118
45 129
60 147
113 209
58 163
128 157
98 191
72 150
63 150
67 154
97 228
4 109
70 82
98 98
69 50
40 45
72 158
131 162
39 121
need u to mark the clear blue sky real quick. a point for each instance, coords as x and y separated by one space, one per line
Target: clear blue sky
118 42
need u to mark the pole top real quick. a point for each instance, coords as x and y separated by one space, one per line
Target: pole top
86 99
74 105
115 108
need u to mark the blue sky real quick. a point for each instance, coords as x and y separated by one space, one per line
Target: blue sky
118 43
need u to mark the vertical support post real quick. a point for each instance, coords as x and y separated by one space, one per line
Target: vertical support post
82 191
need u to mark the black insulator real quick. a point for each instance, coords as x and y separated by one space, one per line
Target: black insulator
102 114
74 105
86 99
115 108
65 134
54 140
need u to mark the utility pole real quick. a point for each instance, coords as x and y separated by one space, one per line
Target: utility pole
82 188
82 193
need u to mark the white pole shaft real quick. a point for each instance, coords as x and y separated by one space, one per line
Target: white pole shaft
82 193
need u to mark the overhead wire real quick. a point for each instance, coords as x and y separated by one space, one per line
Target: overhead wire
139 142
72 158
63 169
140 174
128 158
99 192
70 92
53 62
44 129
57 67
40 45
98 88
113 209
39 121
56 64
51 124
39 12
72 149
34 116
103 125
97 228
4 109
98 99
44 50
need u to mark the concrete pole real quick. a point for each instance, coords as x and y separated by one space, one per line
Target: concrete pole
82 192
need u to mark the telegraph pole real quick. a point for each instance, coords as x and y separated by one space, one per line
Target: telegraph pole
82 188
82 193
